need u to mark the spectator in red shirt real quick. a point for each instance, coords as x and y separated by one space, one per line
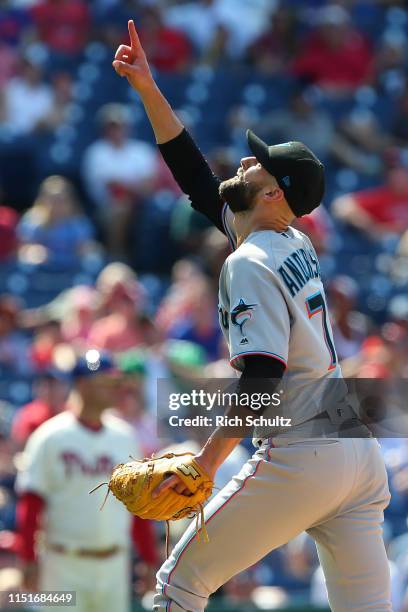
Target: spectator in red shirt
380 210
8 234
336 56
121 324
276 46
168 49
63 25
50 393
318 227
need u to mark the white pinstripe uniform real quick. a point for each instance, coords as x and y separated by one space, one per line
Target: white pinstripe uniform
272 302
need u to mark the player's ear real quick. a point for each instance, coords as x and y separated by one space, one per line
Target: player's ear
274 194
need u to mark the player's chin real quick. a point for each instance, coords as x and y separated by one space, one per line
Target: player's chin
228 184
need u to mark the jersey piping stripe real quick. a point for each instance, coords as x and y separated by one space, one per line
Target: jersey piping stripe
264 353
227 231
168 605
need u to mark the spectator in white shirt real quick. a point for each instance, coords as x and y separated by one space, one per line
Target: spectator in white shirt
27 100
198 20
201 19
255 14
118 171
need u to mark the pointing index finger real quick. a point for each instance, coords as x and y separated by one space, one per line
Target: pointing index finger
134 39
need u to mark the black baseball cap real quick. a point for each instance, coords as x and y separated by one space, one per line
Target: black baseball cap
299 173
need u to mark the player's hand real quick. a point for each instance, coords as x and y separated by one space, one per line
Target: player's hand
175 483
130 62
172 482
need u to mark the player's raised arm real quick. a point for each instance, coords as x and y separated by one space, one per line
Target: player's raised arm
130 62
179 151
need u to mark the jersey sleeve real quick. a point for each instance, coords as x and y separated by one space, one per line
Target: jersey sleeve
194 176
33 475
259 320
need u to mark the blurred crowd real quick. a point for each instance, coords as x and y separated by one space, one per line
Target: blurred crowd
99 249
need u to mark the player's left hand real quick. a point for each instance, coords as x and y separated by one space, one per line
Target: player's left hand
134 483
174 482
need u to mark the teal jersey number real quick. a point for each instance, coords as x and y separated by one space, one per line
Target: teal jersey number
315 304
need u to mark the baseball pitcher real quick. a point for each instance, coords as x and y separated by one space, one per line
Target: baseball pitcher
273 314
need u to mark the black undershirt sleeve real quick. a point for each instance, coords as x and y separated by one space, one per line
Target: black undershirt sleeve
260 375
194 176
259 366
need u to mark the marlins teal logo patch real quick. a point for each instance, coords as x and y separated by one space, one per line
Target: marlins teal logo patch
241 314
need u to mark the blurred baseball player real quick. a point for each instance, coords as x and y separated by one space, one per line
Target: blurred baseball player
84 549
274 317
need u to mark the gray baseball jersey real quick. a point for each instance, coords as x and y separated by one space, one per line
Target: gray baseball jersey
272 303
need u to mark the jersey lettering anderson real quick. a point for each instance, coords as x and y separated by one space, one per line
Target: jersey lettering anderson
272 302
299 268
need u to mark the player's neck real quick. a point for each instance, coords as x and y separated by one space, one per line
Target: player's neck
85 411
247 224
243 223
261 217
273 226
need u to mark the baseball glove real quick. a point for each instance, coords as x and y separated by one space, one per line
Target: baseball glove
133 483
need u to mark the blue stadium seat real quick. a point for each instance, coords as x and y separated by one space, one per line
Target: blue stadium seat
368 17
